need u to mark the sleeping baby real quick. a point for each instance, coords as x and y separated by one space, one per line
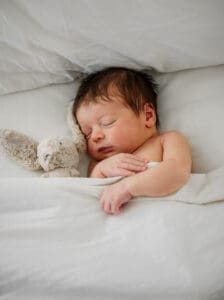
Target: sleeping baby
117 112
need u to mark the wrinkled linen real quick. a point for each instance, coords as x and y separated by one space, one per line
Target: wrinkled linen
43 41
56 243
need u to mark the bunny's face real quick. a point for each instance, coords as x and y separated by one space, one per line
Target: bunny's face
57 153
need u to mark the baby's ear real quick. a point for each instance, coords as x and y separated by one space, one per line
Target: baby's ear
150 115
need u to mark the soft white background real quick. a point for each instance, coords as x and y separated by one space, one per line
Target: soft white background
57 37
55 242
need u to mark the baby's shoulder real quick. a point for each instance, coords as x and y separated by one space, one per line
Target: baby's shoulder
172 139
170 135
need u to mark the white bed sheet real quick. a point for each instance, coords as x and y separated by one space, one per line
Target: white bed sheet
56 243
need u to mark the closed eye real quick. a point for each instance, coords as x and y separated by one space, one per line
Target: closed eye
108 123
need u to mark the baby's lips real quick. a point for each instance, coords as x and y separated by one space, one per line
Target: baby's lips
105 149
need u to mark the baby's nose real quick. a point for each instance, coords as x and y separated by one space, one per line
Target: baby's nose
97 135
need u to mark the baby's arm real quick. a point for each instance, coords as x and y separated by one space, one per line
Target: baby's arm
163 179
168 176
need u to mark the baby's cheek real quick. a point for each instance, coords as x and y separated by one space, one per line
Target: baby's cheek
117 139
123 145
92 151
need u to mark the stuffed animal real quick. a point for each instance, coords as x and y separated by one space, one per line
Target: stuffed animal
58 157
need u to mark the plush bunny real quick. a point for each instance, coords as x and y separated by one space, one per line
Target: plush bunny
58 157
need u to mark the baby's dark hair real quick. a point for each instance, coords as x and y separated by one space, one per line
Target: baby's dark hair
135 87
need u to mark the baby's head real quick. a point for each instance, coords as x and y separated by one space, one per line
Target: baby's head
135 88
116 110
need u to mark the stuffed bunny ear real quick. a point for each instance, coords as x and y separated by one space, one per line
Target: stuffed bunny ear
77 136
20 148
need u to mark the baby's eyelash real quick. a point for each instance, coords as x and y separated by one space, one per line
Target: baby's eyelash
87 136
108 123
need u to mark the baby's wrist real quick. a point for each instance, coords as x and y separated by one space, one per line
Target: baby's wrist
96 172
128 186
99 170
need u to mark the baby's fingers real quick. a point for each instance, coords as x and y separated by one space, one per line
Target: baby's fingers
106 206
134 166
125 172
132 157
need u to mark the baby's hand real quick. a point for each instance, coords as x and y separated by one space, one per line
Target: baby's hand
122 164
113 198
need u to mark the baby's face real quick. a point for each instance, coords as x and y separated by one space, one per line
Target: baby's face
111 128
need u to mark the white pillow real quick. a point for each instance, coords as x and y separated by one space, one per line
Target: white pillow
56 36
12 82
39 113
192 102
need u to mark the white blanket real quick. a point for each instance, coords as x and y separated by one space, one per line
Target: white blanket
56 243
